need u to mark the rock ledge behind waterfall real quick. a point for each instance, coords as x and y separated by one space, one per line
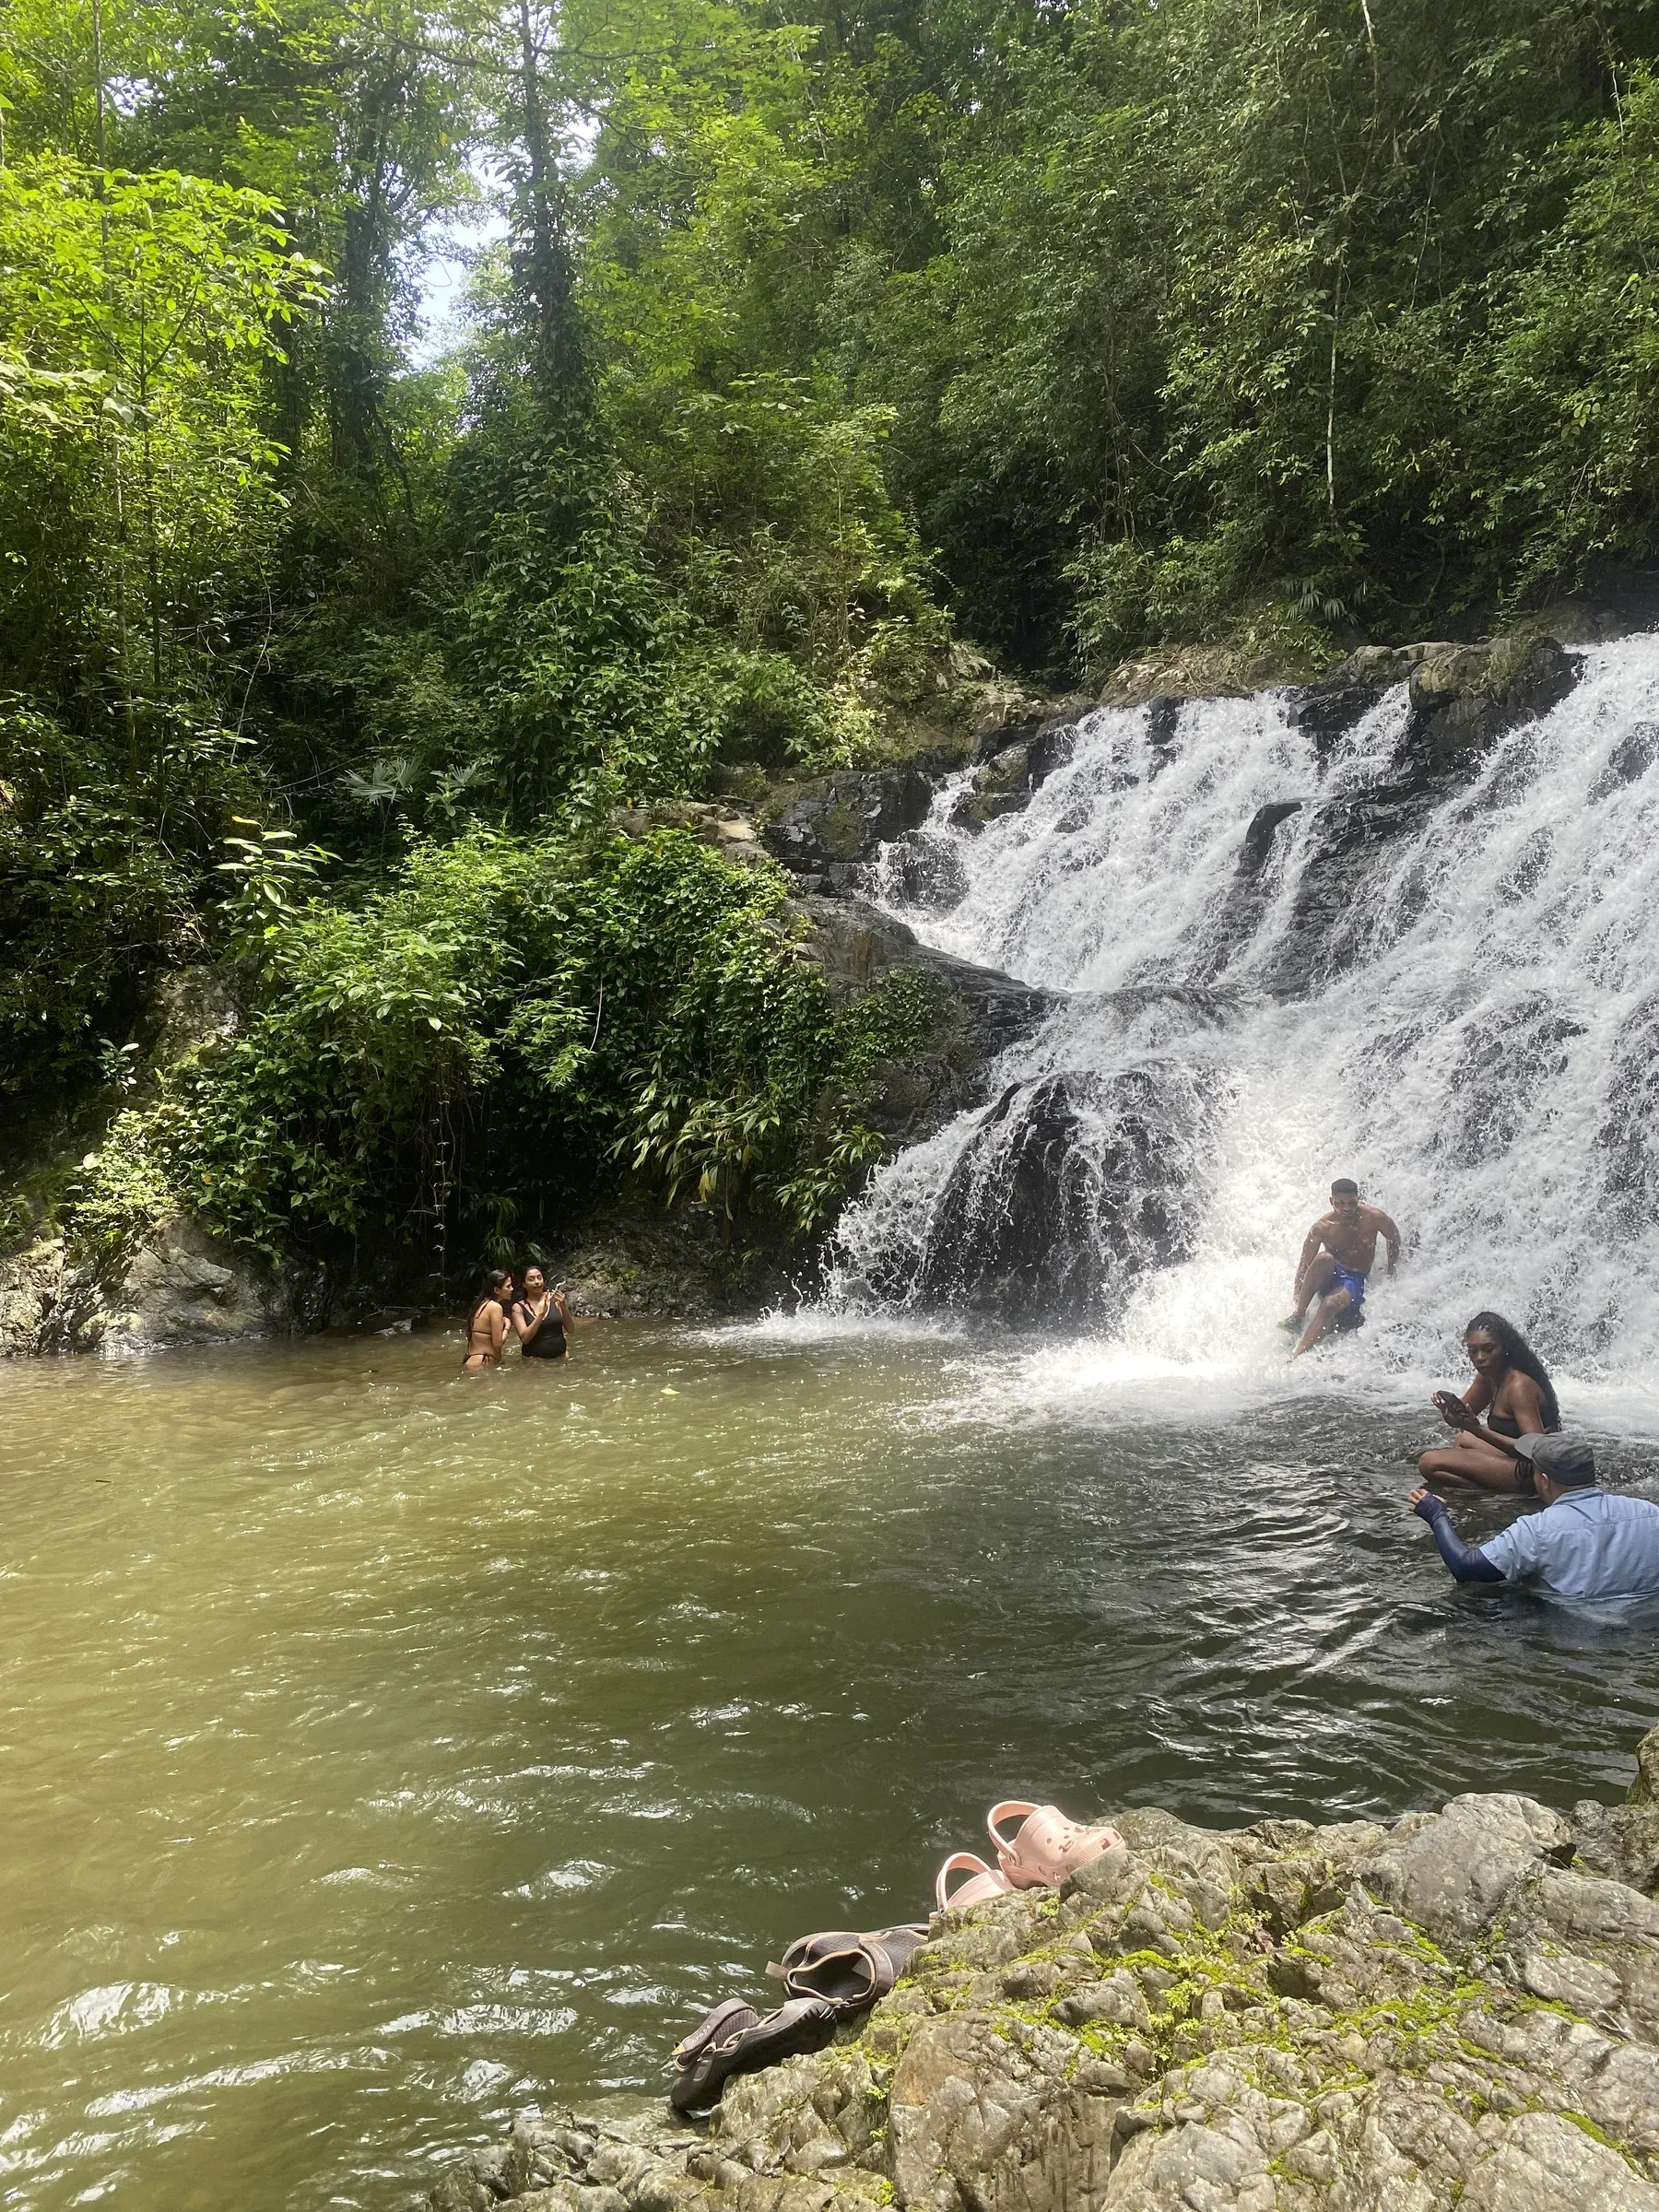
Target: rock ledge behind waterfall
1460 2009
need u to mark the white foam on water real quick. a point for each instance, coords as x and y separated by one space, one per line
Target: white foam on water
1483 1055
800 1327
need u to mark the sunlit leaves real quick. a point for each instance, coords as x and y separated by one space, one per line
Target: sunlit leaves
138 317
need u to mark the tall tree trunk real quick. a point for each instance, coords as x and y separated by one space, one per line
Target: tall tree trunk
561 367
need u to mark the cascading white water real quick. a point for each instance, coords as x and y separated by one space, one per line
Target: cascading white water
1464 1014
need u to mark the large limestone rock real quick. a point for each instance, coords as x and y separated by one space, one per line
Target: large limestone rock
183 1286
1454 1875
46 1305
179 1286
1457 2010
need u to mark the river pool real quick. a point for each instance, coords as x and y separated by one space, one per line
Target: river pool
382 1749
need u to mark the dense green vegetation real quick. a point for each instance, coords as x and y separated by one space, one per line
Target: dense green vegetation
808 339
473 1050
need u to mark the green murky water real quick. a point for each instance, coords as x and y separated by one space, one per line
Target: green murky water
381 1750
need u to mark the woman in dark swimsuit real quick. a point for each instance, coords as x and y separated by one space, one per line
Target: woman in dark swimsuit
541 1318
1511 1387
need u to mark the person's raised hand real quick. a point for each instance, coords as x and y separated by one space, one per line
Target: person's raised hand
1417 1496
1453 1410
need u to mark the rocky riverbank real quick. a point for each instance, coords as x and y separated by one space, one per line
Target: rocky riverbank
1460 2008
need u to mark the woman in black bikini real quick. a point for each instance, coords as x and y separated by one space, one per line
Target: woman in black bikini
1511 1387
541 1318
487 1323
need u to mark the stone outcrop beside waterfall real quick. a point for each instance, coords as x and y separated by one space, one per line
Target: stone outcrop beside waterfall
980 1012
829 829
1460 2008
1461 696
1460 699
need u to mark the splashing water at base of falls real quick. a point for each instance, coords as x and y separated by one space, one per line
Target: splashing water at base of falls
1450 993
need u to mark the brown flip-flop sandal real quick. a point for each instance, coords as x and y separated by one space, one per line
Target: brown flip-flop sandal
848 1970
733 2039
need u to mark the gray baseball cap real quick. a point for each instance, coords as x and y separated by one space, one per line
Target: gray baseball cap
1569 1461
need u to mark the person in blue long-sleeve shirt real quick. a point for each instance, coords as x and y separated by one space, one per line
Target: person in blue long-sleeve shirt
1585 1546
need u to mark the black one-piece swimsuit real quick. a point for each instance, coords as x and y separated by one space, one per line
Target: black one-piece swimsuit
548 1342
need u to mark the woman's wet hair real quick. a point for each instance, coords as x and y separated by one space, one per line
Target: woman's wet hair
493 1283
1518 1354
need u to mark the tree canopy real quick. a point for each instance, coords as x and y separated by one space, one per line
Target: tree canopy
801 339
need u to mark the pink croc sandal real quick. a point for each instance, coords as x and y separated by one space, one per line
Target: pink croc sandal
986 1883
1048 1846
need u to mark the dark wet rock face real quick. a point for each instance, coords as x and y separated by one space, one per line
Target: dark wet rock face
1533 1036
1056 1205
1465 696
1460 2009
1328 712
856 945
1462 698
828 829
1163 716
926 870
1069 1187
1003 783
1251 888
980 1012
1629 760
1629 1137
1258 838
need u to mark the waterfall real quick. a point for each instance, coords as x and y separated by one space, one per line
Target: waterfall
1287 959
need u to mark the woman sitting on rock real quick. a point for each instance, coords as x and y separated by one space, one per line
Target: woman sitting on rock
1511 1387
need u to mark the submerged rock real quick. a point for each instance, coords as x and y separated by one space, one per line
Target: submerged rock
1457 2010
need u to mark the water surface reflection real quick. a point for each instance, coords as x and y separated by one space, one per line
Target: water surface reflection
381 1750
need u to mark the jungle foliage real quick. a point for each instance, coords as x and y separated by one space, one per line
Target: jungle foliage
795 336
503 1030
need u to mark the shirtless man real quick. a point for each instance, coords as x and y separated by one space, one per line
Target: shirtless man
1338 1253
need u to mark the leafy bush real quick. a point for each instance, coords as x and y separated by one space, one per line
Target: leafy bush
504 1037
